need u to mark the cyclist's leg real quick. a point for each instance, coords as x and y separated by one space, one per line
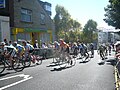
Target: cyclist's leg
11 55
27 59
87 55
101 55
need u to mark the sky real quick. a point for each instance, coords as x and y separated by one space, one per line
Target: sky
83 10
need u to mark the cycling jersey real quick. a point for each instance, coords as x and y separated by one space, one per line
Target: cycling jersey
91 46
57 45
67 48
20 48
10 49
31 48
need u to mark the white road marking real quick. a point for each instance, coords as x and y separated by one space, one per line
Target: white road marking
25 78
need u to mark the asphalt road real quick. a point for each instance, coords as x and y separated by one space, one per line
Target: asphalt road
82 76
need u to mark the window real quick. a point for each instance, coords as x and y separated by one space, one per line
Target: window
26 15
2 3
42 17
47 7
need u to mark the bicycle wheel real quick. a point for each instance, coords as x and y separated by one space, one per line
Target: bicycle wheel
63 62
39 60
88 58
2 66
18 65
27 61
73 61
57 57
57 60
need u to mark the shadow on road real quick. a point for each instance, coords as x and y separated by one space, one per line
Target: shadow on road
6 73
83 61
107 62
111 62
101 63
60 69
52 65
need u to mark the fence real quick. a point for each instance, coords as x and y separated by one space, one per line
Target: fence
48 52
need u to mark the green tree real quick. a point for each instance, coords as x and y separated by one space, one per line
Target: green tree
64 23
75 25
89 30
61 19
113 13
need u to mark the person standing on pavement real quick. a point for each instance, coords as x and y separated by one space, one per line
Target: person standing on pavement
36 45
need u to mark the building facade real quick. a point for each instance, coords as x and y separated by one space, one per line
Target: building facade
102 36
4 28
29 20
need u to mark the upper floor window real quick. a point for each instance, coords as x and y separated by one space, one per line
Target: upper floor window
26 15
42 17
2 3
47 7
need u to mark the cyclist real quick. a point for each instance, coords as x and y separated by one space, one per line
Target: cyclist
20 49
31 48
67 53
80 49
9 52
101 50
92 49
64 48
85 51
105 50
109 49
75 49
62 45
27 48
56 45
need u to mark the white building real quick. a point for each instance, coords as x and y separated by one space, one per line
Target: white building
108 35
102 36
4 28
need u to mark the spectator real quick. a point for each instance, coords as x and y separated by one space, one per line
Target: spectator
44 45
36 45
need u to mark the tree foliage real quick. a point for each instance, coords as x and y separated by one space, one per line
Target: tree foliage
89 31
64 24
113 13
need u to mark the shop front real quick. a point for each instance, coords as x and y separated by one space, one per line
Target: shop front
29 34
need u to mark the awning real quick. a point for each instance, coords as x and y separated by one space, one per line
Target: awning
34 30
28 30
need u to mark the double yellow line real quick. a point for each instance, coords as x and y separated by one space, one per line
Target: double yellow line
117 79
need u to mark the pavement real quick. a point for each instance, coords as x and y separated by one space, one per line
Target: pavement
116 70
111 58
